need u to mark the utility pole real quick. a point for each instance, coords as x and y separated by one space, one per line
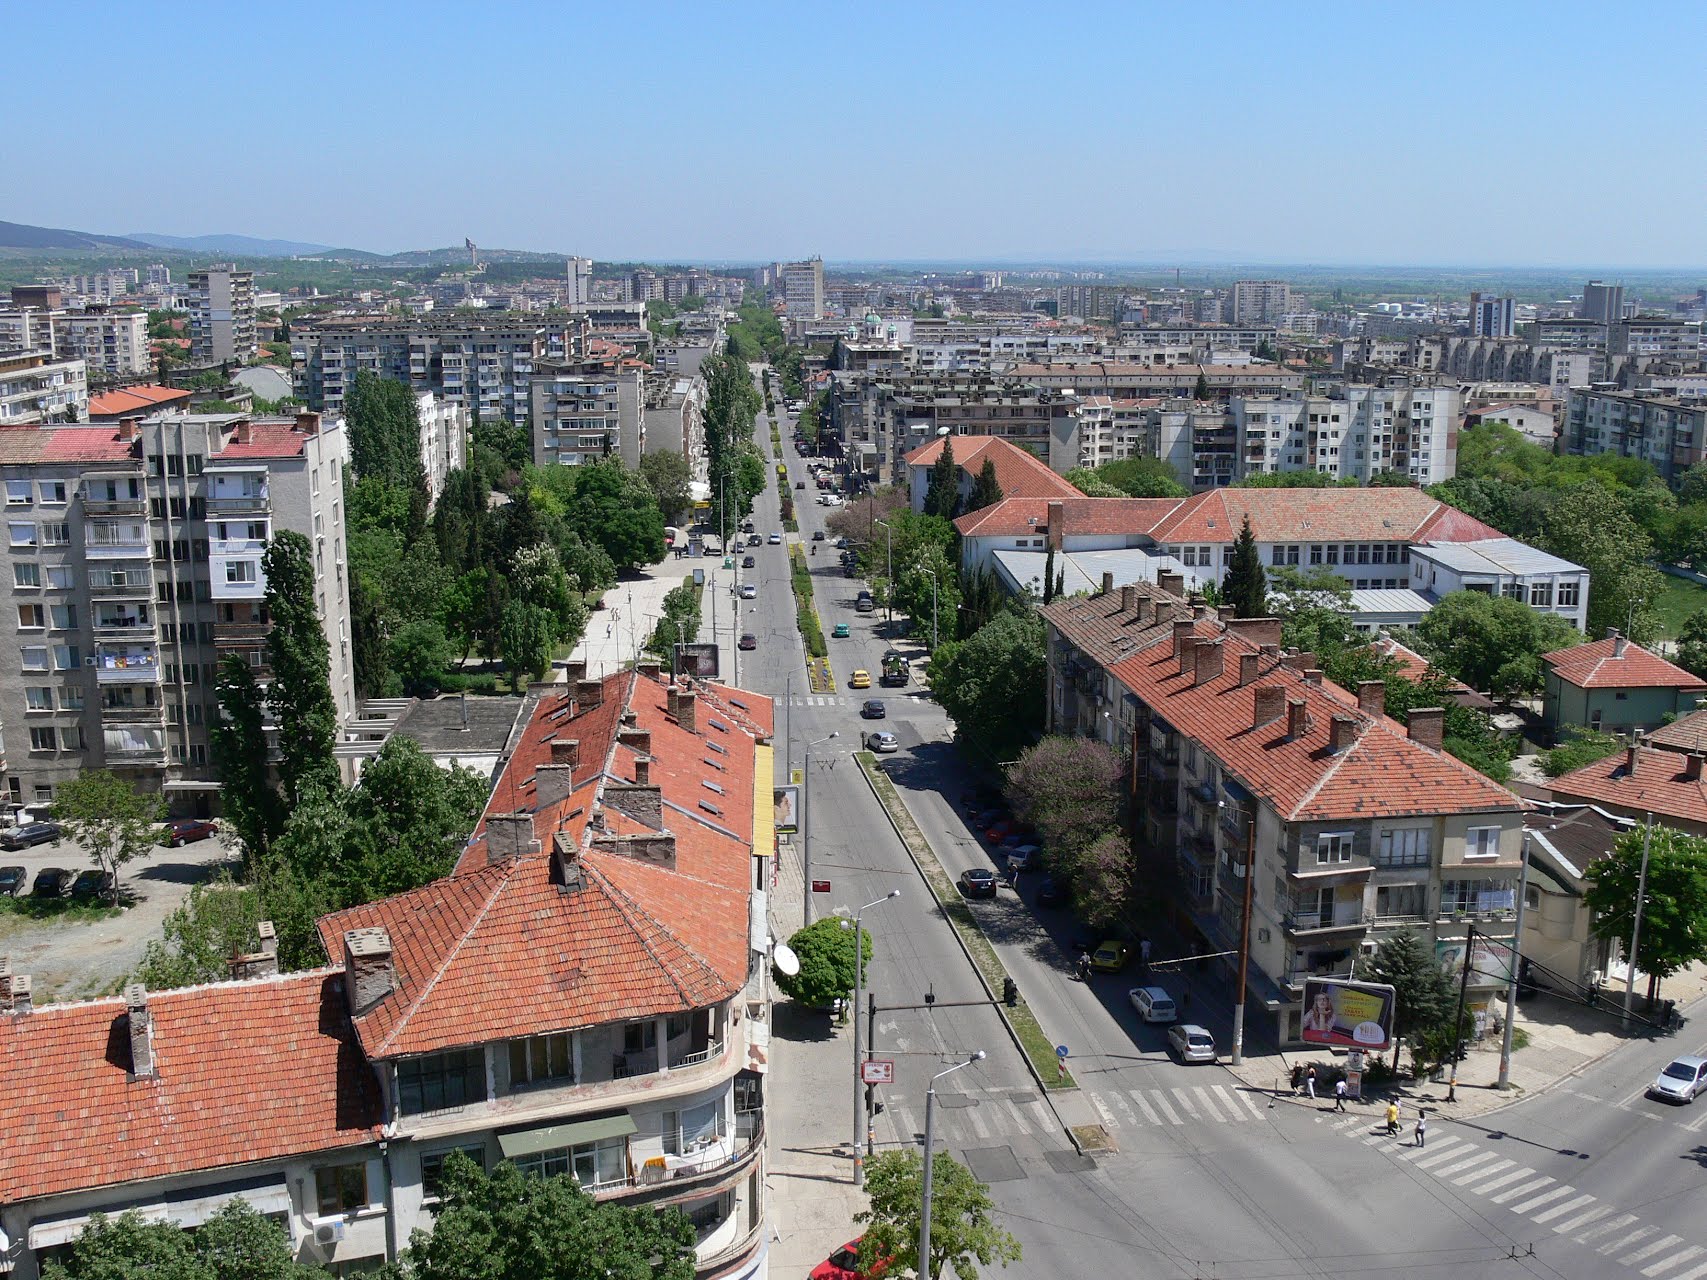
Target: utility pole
859 984
1244 943
889 569
930 1141
1458 1019
1516 968
1636 926
806 831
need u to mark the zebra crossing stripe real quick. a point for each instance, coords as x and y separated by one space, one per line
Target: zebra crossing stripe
977 1122
1523 1189
1208 1105
1486 1171
1570 1206
1430 1160
1694 1273
1103 1111
1500 1181
1582 1219
1167 1110
1676 1260
1640 1233
1563 1189
1610 1225
1125 1111
1045 1121
1648 1251
1020 1120
904 1126
1148 1110
1464 1164
1185 1104
1242 1096
1418 1153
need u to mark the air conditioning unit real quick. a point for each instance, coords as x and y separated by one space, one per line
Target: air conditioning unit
89 662
328 1231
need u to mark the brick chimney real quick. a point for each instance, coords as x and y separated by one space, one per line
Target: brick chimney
257 964
1297 718
1313 675
245 431
1107 584
1210 656
1633 753
1145 610
642 801
658 849
1257 631
650 668
574 671
1226 613
636 739
1428 726
509 835
642 771
552 784
1692 766
1298 661
1342 732
1372 698
1171 580
566 751
1199 607
141 1024
1057 517
368 976
1182 629
1268 705
308 423
18 994
1188 654
1128 598
128 430
1248 664
687 710
566 863
589 694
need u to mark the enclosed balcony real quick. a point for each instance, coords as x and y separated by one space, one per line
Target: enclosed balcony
114 495
134 745
135 582
116 540
119 663
121 621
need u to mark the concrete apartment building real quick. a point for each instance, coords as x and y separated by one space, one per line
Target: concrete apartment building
803 289
444 439
1492 317
1669 434
1261 301
37 386
110 343
1602 302
580 290
133 555
1358 825
1352 433
1190 343
588 410
541 1005
222 314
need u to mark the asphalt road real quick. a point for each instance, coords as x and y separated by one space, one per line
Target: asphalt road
1209 1179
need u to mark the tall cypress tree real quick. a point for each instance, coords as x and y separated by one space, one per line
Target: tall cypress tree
942 493
986 492
252 807
1246 585
300 696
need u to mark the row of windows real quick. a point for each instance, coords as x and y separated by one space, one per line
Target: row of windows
21 493
1404 847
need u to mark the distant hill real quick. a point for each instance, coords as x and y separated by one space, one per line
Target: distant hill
238 246
18 235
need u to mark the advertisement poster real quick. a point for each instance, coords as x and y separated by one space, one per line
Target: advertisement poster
787 801
1352 1015
1490 960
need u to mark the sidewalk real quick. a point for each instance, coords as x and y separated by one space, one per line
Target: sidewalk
620 630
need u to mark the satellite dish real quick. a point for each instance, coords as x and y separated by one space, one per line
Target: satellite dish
787 963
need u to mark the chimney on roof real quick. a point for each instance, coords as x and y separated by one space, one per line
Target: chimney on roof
642 771
1182 629
566 751
1300 662
509 835
1313 675
1128 597
589 694
1268 704
308 423
650 668
1342 732
1208 660
1618 641
1248 664
1257 631
1188 654
244 431
141 1025
1692 766
1145 610
1372 698
128 430
1427 726
368 976
566 862
1107 583
1199 606
1171 580
552 784
686 709
1057 517
641 800
1633 753
1270 650
636 739
1225 613
18 994
658 849
1297 718
575 671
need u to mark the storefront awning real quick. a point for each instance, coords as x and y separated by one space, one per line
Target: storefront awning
527 1142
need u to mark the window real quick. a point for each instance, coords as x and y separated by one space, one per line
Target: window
541 1058
638 1037
1401 901
341 1189
23 535
1405 848
65 657
1333 846
56 534
31 617
1472 896
1541 595
71 697
1482 842
441 1080
34 657
240 571
1512 590
597 1164
1570 594
63 617
18 493
1333 553
38 698
693 1128
433 1165
26 573
43 739
60 577
53 492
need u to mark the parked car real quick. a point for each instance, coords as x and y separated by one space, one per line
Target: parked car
1051 893
13 880
92 884
775 539
747 526
32 833
882 742
841 544
1154 1004
873 709
749 591
863 603
800 484
841 631
188 831
1110 957
850 570
1024 857
843 1264
52 882
860 679
986 818
979 882
1681 1080
1189 1042
748 641
1000 830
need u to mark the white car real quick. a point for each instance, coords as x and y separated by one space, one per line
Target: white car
775 539
1681 1080
749 591
1024 857
882 742
1154 1004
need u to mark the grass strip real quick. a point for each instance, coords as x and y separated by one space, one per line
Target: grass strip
1038 1047
805 612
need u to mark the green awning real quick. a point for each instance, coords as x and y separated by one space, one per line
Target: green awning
526 1142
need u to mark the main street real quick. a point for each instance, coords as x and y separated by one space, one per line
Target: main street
1209 1177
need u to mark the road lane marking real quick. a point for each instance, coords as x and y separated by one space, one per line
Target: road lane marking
1045 1121
1167 1110
1676 1260
904 1126
1102 1110
1647 1251
1464 1164
976 1121
1606 1228
1125 1111
1208 1105
1640 1233
1523 1189
1021 1121
1694 1126
1149 1111
1623 1104
1563 1189
1568 1206
1488 1172
1440 1144
1431 1158
1582 1219
1242 1096
1694 1273
1186 1104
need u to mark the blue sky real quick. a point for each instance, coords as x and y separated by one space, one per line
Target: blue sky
1443 133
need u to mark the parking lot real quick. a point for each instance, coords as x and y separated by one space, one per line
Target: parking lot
88 953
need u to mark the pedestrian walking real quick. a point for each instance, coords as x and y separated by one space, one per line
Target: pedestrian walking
1310 1083
1422 1127
1144 951
1339 1095
1392 1119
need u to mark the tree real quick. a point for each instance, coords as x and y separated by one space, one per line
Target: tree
236 1243
1692 644
459 520
1491 642
1143 478
1101 877
300 696
109 818
964 1233
1314 608
368 659
942 489
1391 479
1424 995
419 655
670 479
1068 788
1674 905
199 937
825 949
1590 526
1577 749
678 623
1201 391
993 684
385 432
615 508
408 822
986 490
524 635
509 1225
1246 585
252 806
1049 573
1089 483
537 576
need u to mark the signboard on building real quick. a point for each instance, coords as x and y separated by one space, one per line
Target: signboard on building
1490 960
697 660
1354 1015
787 801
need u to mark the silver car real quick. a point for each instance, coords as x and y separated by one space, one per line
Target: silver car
882 742
1681 1080
1191 1043
1154 1004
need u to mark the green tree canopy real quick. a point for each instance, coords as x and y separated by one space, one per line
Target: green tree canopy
385 432
964 1230
1577 749
992 684
525 635
1143 478
1425 996
1673 907
254 811
614 508
1491 642
1068 787
236 1243
670 479
942 489
1591 526
825 949
199 937
1089 483
109 819
1692 644
300 696
1246 584
986 489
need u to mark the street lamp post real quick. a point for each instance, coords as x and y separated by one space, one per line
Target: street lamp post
1636 927
889 569
806 829
1516 966
859 984
930 1140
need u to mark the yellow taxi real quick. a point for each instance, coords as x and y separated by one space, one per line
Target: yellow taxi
860 679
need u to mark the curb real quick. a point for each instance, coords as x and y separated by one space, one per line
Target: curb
960 942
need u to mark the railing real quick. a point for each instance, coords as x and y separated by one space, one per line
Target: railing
134 715
123 626
711 1051
1313 921
115 506
242 630
227 503
121 587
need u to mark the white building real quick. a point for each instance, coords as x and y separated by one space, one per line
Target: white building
580 291
444 439
1353 434
36 386
109 342
1261 301
803 289
1492 317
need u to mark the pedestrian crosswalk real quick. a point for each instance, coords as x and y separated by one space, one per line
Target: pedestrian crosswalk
1188 1105
966 1120
1543 1200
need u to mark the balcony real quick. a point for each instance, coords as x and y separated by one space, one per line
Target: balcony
130 667
136 584
238 503
98 548
119 714
240 631
136 755
1345 916
124 626
113 506
236 546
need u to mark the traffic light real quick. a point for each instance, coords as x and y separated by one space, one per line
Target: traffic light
1010 992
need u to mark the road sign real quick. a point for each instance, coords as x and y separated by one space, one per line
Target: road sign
820 886
877 1071
1060 1051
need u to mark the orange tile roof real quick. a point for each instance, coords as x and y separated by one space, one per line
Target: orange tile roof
1086 517
1020 473
267 440
1382 774
1658 786
1594 666
247 1071
1106 631
129 400
499 949
86 444
1686 733
1320 515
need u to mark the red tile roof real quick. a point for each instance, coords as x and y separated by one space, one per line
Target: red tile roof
1658 786
499 949
1594 666
246 1071
1085 517
267 440
1019 472
1320 515
135 400
86 444
1686 733
1382 774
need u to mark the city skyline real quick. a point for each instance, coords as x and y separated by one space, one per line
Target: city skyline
1174 138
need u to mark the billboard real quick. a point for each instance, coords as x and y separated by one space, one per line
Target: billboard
1353 1015
1490 960
696 660
787 801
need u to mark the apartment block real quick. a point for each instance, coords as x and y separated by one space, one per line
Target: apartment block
1602 302
133 555
1655 336
37 386
803 289
1492 317
444 439
222 314
1355 432
580 291
1670 434
114 343
586 411
1261 301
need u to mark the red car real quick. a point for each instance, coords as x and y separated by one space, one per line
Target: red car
188 830
843 1264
